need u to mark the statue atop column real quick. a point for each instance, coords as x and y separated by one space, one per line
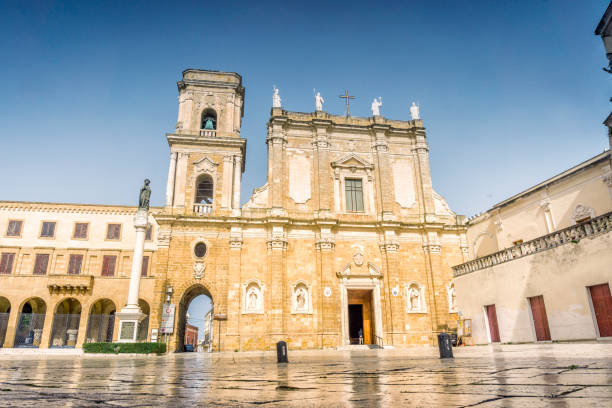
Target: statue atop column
276 99
376 104
414 111
319 102
145 194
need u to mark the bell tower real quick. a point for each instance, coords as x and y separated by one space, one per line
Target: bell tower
206 150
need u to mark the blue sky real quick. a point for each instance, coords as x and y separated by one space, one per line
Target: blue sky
511 92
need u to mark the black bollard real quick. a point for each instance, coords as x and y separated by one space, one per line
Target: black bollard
445 346
281 352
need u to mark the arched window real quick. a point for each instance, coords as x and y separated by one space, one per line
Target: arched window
209 120
204 190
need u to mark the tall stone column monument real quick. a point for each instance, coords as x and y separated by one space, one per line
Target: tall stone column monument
131 315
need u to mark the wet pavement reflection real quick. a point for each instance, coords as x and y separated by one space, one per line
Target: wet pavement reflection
559 375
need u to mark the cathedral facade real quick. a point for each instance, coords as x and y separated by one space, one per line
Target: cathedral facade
346 243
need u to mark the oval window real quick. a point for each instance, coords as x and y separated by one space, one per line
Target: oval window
200 250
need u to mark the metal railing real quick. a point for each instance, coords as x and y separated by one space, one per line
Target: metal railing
208 133
202 209
596 226
100 328
143 329
379 341
4 317
29 330
65 330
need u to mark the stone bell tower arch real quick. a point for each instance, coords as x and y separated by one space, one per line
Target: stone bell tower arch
206 150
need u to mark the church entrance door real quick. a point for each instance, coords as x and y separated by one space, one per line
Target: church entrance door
361 324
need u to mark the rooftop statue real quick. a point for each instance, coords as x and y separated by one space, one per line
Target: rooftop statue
414 111
376 104
145 194
276 99
319 102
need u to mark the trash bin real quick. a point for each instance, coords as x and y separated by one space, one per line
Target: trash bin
445 346
281 352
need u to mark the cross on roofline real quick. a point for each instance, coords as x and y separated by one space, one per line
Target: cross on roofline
347 97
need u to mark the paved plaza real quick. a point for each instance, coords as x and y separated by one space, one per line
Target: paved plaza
558 375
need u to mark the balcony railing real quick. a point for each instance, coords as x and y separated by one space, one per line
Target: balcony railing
208 133
202 209
596 226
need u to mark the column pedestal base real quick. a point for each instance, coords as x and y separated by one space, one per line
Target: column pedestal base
129 322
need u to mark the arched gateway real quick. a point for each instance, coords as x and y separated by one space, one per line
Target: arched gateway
188 296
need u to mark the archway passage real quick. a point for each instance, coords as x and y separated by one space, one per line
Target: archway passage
66 320
30 323
101 324
197 304
5 311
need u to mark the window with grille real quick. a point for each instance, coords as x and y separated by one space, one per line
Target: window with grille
6 263
108 265
204 190
80 230
14 228
354 195
149 233
75 264
40 264
48 229
145 266
113 231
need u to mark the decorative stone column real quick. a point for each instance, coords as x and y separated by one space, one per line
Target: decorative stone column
131 315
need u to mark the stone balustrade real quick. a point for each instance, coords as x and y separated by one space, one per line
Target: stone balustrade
208 133
202 209
573 234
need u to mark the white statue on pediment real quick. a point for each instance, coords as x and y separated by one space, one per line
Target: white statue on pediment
414 111
319 102
276 99
376 104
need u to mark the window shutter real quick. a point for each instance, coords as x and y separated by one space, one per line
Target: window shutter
14 228
74 266
108 265
41 263
80 230
6 263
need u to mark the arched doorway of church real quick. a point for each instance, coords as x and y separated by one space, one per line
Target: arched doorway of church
5 311
66 321
101 324
30 323
194 329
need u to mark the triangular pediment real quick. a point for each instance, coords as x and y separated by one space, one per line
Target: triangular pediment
352 160
205 164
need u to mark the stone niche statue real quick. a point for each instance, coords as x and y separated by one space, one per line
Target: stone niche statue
276 99
376 104
319 102
145 194
414 111
414 298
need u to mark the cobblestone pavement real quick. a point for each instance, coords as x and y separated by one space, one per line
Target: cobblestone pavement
542 375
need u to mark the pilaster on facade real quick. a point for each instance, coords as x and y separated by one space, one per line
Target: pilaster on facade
325 239
235 239
431 243
277 239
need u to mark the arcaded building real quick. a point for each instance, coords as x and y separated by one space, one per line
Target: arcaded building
540 261
346 243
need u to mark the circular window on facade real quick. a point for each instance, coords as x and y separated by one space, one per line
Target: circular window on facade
199 250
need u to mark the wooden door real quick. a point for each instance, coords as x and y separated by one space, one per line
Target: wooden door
492 317
540 321
602 306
